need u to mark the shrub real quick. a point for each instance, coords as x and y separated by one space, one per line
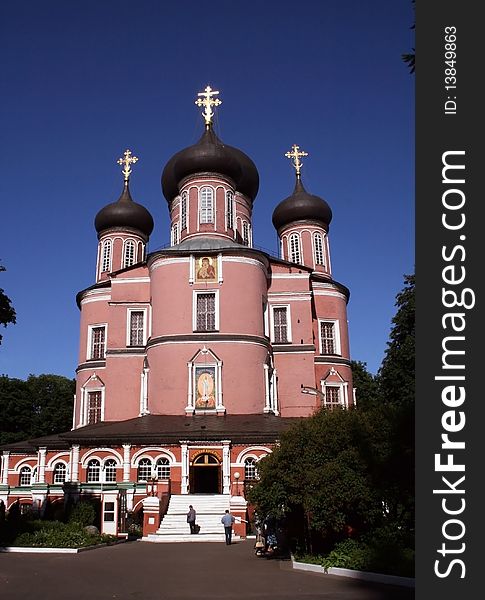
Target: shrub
83 513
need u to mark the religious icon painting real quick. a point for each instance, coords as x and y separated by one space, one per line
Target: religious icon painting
205 269
205 387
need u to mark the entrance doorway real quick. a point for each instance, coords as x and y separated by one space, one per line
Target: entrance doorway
205 475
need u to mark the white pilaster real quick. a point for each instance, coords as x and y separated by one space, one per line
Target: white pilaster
41 463
75 463
5 465
126 462
267 403
185 469
226 467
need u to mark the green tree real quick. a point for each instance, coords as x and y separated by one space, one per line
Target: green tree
410 57
365 386
42 405
7 312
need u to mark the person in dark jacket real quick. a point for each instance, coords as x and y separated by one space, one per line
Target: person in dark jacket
191 515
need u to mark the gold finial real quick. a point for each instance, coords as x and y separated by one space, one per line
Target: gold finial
127 161
295 158
208 102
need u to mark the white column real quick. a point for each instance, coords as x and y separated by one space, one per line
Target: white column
5 461
267 403
274 393
220 405
226 467
75 463
41 462
144 392
126 462
185 469
190 401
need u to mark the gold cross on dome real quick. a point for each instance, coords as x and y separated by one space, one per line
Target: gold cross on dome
295 158
208 102
127 161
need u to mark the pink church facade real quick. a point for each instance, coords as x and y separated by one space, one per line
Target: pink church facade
193 358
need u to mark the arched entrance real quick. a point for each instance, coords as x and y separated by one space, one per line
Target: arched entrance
205 474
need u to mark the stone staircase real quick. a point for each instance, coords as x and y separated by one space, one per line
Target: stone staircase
209 509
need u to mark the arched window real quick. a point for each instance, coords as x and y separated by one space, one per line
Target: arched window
60 473
144 469
250 470
183 211
129 255
245 228
25 476
93 471
206 203
110 470
163 468
295 252
106 256
175 234
318 248
229 210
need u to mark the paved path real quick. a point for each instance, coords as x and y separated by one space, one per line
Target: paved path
183 571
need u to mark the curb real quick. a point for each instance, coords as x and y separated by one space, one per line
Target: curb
362 575
32 550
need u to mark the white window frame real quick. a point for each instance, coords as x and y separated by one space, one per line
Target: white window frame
129 261
246 233
336 330
94 391
174 234
295 236
230 210
288 323
184 212
99 470
85 401
206 213
148 458
106 256
317 235
23 470
343 393
194 309
104 479
59 463
128 326
160 468
254 462
90 340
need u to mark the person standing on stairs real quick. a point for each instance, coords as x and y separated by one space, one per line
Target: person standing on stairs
191 515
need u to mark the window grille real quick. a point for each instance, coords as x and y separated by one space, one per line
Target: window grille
60 473
144 469
206 205
327 334
206 312
245 233
94 407
106 260
110 471
332 396
280 321
93 471
129 258
98 337
175 234
230 210
250 470
318 247
183 212
163 468
137 327
25 476
295 252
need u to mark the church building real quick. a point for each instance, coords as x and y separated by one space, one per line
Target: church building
195 357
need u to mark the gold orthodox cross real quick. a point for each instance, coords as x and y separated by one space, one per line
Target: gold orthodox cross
208 102
295 158
127 161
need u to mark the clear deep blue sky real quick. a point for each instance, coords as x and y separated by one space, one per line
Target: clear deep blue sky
83 81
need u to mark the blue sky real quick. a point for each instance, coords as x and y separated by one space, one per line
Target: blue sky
83 81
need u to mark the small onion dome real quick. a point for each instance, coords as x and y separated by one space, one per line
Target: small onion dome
210 155
301 206
125 212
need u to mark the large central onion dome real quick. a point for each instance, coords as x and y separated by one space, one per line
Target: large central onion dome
301 206
124 213
210 155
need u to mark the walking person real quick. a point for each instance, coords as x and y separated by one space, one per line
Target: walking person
191 515
228 520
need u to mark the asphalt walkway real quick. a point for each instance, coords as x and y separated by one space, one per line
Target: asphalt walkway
182 571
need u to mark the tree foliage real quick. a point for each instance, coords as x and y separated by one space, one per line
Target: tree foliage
41 405
7 312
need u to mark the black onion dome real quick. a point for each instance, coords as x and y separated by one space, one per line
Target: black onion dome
210 155
125 212
301 206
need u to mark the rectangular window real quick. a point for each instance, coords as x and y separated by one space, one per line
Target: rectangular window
94 407
327 337
280 324
98 342
137 328
109 512
206 312
332 396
